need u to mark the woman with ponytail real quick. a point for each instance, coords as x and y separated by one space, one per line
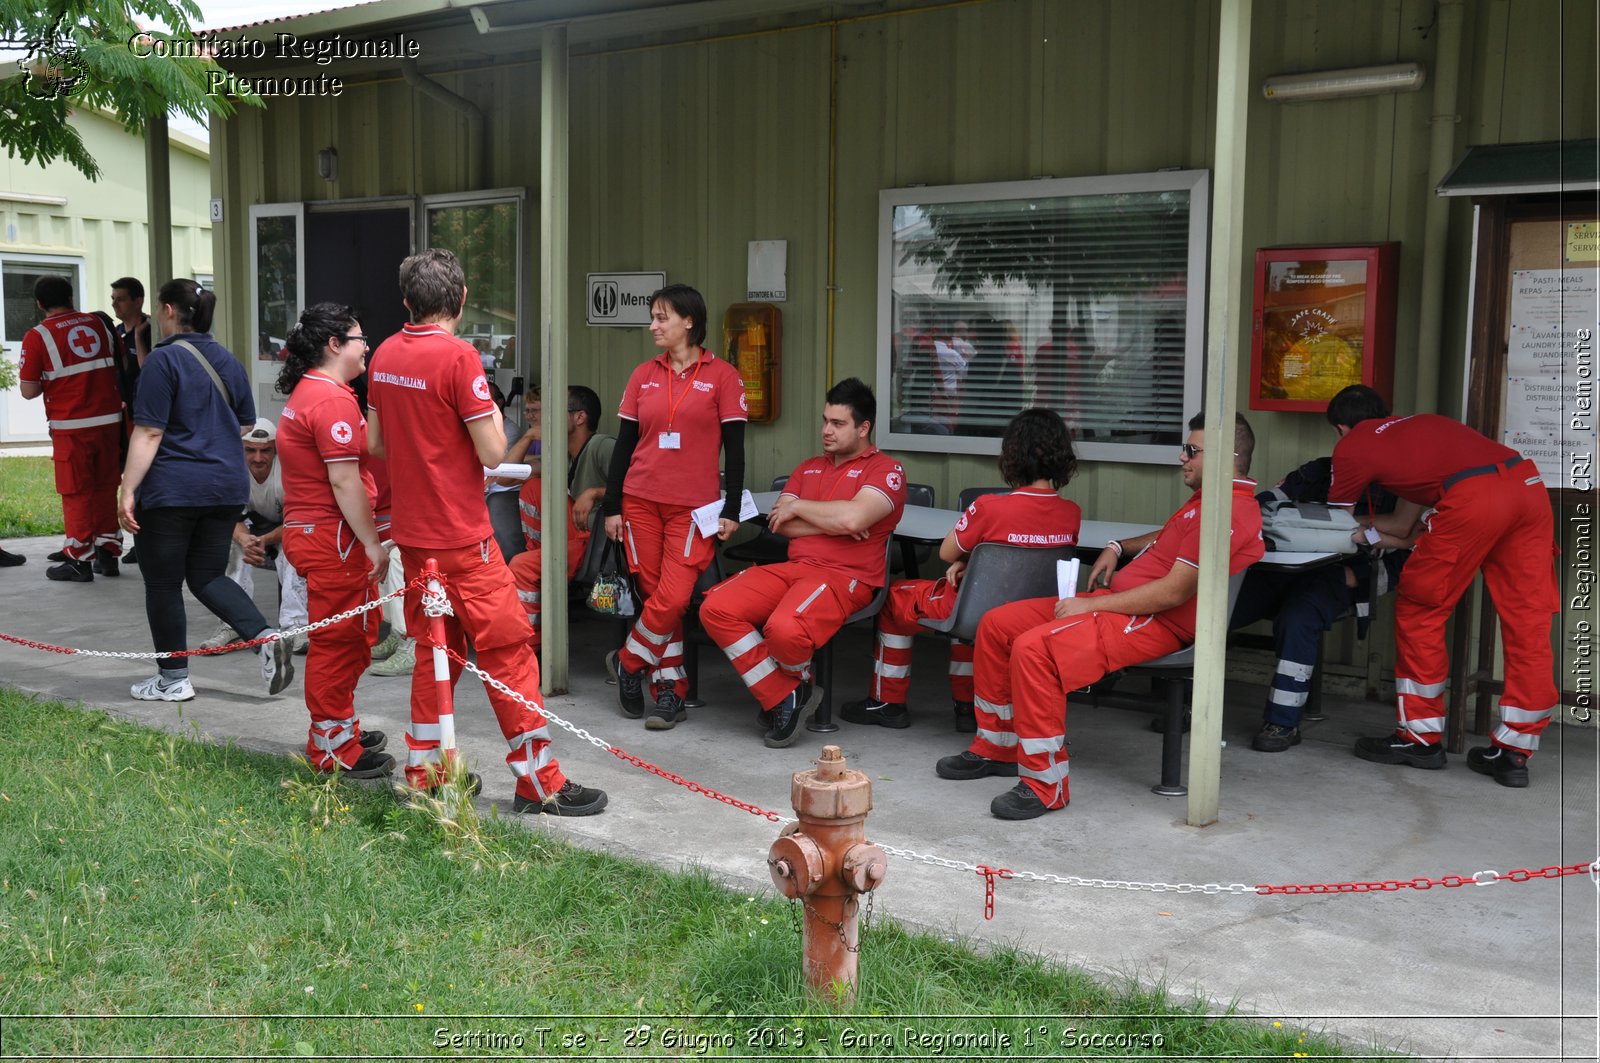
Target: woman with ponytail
185 485
329 533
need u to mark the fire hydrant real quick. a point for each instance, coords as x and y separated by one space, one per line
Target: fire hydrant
825 862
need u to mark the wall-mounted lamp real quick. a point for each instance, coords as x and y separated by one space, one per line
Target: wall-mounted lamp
328 164
1332 84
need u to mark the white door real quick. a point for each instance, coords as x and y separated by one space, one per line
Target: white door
277 292
22 420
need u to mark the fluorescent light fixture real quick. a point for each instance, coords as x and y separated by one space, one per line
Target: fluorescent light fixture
1333 84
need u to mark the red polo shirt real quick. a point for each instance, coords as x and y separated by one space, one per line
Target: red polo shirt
321 424
1410 456
818 479
425 385
1028 516
694 404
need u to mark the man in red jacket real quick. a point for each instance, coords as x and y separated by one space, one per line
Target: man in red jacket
69 359
1491 511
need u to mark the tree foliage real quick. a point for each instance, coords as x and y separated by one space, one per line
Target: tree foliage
80 54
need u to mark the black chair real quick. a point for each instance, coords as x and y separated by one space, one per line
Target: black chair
822 718
997 575
1177 671
971 494
767 547
912 554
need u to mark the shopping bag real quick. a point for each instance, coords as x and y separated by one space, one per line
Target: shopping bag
612 592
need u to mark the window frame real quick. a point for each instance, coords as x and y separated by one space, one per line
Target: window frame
1197 183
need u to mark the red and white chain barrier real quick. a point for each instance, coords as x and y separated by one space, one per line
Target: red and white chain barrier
436 603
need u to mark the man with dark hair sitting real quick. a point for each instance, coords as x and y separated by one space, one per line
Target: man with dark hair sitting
838 509
1031 653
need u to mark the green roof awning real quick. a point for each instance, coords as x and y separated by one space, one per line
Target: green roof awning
1519 169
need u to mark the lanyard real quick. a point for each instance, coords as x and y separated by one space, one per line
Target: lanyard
672 406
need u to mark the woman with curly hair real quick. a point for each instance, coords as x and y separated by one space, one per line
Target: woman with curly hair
329 533
1036 460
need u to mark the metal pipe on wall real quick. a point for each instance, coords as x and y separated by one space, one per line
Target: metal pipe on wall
477 143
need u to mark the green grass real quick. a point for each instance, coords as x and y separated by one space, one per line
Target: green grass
167 897
29 504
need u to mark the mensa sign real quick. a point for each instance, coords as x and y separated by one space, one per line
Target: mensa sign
621 299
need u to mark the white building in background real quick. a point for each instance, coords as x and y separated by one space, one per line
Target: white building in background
53 219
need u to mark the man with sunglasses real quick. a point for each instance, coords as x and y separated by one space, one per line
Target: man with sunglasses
1031 653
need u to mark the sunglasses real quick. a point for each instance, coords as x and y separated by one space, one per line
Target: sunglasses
1190 451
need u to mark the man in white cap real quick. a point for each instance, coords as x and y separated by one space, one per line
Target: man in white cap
257 536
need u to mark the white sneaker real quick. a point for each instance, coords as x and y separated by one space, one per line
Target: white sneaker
277 664
224 635
154 689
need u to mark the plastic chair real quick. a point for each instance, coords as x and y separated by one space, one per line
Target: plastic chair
997 575
970 494
822 719
1177 669
767 547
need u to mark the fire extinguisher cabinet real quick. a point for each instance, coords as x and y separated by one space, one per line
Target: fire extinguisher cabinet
752 341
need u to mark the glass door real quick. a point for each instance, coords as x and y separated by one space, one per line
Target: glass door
22 420
277 292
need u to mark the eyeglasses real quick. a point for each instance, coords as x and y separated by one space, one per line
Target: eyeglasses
1190 451
354 338
574 409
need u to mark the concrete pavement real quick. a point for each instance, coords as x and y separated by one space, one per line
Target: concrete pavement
1505 971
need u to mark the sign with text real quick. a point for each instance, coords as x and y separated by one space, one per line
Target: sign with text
621 300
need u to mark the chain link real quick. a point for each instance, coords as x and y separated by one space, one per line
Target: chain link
296 632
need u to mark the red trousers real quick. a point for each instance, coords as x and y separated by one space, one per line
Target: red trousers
528 566
666 555
909 601
87 464
335 569
484 600
799 606
1500 523
1024 652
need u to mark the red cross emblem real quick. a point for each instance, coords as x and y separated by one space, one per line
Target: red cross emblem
341 432
84 341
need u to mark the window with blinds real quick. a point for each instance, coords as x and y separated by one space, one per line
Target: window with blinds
1083 295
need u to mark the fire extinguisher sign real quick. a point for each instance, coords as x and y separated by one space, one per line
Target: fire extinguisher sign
621 300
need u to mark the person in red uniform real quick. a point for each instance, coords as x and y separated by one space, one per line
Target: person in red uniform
838 510
428 387
676 411
1036 459
69 359
329 534
1031 653
1491 512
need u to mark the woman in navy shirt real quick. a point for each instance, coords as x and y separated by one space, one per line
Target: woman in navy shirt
185 486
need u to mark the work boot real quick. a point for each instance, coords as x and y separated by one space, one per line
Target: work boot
374 741
1507 767
370 765
131 557
968 765
872 711
630 686
58 556
402 662
1019 802
668 711
966 719
1392 749
1275 738
105 563
570 800
10 560
786 715
472 782
70 571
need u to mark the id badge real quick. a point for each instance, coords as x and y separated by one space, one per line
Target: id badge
667 440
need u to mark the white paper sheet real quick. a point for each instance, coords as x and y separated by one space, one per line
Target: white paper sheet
1067 578
707 516
510 471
